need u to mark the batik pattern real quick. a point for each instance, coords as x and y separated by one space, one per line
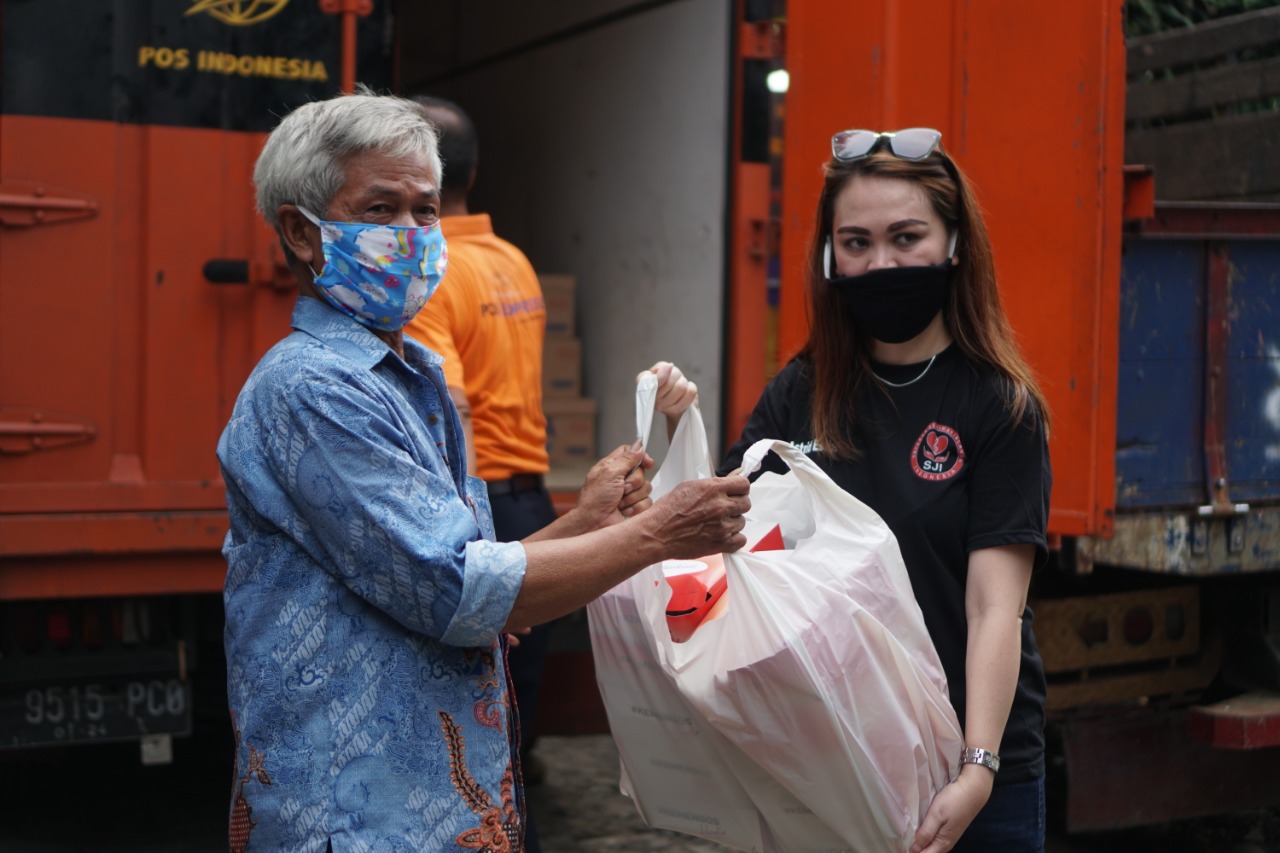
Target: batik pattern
364 601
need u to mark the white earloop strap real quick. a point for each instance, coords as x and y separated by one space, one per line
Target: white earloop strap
826 253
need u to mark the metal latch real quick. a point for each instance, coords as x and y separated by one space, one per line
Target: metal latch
25 430
27 203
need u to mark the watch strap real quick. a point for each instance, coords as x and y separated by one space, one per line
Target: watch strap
985 757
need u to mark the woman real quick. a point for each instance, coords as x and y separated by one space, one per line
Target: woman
912 395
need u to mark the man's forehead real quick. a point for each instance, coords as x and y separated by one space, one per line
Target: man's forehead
375 172
381 187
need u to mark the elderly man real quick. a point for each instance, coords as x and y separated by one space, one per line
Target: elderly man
365 595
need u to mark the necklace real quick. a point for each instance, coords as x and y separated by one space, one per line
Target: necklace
909 382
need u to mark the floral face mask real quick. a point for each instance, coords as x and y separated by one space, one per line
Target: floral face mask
380 275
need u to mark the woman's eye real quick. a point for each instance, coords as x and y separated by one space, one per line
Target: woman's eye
906 238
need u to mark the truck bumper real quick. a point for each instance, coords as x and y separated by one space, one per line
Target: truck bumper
1144 766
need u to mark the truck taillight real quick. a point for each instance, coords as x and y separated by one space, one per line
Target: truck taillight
58 628
1139 625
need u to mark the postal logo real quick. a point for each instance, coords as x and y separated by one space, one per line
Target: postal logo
238 13
938 453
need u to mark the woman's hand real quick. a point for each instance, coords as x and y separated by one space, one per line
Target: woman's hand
953 809
675 392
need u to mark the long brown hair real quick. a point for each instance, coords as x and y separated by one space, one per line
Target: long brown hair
840 355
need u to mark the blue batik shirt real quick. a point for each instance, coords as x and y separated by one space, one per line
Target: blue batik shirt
364 603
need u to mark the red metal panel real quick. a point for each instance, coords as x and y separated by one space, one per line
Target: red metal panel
115 533
746 368
92 575
131 359
1037 122
1217 306
746 322
1141 768
1249 721
1198 220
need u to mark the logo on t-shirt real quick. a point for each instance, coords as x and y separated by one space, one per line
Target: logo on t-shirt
938 454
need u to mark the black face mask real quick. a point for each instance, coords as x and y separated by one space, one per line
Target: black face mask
894 304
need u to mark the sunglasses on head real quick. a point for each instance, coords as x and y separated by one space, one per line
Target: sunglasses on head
914 143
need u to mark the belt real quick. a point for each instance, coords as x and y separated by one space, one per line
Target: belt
515 484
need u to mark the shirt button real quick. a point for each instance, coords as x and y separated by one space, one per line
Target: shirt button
432 419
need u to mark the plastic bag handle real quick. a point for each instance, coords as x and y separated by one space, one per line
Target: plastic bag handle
821 490
646 403
802 465
688 456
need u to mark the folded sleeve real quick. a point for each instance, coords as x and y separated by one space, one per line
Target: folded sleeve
1011 483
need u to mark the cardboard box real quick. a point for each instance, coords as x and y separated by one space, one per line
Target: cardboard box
561 367
557 293
571 430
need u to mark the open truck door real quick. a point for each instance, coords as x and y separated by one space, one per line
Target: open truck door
137 290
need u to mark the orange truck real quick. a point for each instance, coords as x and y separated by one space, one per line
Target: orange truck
137 289
1154 332
646 148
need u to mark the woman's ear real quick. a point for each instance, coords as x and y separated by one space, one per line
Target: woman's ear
298 234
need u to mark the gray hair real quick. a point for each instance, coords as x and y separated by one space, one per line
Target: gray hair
303 161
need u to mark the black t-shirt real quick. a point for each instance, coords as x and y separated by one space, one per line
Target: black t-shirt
944 466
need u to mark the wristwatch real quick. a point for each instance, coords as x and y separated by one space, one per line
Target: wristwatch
985 757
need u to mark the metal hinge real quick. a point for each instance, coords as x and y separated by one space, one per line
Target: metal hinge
26 430
27 203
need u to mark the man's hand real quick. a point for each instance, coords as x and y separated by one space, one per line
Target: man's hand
700 517
513 637
615 488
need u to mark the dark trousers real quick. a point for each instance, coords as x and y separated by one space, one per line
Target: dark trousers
1012 821
515 516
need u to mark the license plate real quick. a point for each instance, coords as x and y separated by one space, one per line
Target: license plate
94 711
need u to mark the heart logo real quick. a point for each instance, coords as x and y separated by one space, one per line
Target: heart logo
938 453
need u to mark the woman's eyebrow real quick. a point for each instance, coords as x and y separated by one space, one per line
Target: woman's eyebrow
897 226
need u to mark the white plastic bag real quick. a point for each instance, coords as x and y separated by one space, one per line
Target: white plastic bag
813 715
670 757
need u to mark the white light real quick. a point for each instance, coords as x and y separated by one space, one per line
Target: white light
778 81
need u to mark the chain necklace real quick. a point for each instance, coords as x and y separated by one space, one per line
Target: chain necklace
909 382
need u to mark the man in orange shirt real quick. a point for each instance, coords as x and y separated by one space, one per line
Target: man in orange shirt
488 321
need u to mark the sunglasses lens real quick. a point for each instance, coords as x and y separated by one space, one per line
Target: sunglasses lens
852 144
915 143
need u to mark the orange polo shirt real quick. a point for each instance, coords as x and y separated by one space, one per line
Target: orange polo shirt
488 320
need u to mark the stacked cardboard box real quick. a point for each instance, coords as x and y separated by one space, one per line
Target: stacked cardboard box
571 418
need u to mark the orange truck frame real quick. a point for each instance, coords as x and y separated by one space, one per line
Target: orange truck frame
1159 617
137 289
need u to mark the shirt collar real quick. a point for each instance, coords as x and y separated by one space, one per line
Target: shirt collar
468 225
341 332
